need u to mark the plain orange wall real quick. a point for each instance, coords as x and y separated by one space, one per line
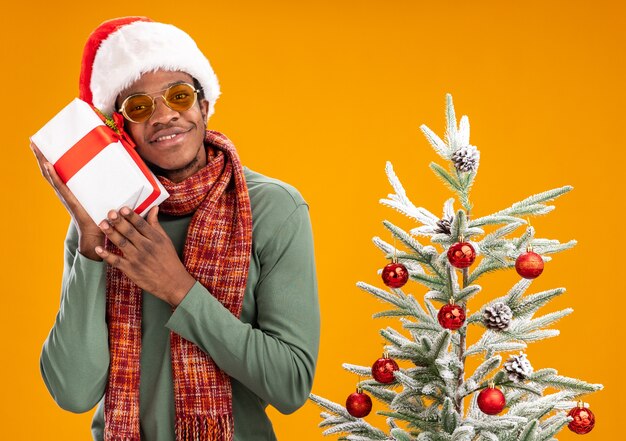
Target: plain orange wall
321 94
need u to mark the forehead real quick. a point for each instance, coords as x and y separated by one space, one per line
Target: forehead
155 81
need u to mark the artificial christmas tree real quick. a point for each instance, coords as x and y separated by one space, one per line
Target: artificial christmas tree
432 397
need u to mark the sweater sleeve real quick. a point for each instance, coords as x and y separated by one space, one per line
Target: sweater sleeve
74 360
275 360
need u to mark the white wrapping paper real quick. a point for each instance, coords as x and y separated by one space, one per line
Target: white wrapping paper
111 179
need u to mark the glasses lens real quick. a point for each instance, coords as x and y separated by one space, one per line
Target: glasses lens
180 97
138 108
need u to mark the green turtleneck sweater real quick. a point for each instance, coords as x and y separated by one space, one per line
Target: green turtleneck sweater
269 352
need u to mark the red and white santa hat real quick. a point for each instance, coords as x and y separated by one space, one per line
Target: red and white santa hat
119 51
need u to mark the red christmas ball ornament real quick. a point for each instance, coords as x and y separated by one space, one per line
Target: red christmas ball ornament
451 316
395 275
491 400
383 369
461 254
359 404
583 421
529 265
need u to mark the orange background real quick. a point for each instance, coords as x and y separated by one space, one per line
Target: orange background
320 95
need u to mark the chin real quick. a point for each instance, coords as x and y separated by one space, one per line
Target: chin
175 165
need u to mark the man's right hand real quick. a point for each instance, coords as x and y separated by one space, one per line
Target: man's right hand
89 235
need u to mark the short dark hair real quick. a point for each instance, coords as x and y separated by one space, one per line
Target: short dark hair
199 88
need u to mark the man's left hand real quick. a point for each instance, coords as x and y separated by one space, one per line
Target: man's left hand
149 257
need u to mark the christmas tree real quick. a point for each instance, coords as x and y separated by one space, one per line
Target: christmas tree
506 398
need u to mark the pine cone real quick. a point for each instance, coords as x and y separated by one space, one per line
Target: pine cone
443 225
466 158
497 316
518 368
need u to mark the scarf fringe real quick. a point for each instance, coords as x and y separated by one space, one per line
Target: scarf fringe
204 428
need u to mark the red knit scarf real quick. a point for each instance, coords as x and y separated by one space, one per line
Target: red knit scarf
217 254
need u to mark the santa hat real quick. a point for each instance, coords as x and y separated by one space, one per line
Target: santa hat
119 51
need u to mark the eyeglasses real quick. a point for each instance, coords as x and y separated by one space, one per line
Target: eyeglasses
139 108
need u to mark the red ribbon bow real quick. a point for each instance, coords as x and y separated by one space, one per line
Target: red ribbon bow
94 142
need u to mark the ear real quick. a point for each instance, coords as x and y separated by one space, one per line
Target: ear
204 108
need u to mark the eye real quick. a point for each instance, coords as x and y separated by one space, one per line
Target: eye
181 96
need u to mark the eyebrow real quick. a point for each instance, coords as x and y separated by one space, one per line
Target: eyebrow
160 90
173 83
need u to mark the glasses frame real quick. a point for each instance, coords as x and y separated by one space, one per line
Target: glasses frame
122 108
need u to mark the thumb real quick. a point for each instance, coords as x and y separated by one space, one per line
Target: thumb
152 216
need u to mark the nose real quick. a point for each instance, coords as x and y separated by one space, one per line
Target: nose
162 113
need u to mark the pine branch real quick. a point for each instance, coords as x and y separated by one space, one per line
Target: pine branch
524 387
487 266
330 406
524 332
426 326
458 228
451 129
341 421
400 202
446 177
438 145
427 253
466 181
439 345
534 204
358 426
411 261
463 433
382 295
449 417
530 431
381 393
539 406
485 368
528 306
423 425
495 219
564 383
467 293
526 326
552 426
362 371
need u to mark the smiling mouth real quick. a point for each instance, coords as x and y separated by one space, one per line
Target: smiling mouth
168 137
163 138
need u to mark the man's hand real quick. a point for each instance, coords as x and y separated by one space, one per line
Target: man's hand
150 259
89 235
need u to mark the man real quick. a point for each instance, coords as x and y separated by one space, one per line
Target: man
184 325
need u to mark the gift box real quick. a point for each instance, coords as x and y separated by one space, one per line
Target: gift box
98 164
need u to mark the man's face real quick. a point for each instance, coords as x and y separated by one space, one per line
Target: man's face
170 140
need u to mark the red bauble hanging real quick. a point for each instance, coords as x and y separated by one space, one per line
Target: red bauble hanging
461 254
491 400
383 369
395 275
451 316
529 265
583 421
359 404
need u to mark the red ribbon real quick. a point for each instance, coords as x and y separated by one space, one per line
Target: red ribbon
93 143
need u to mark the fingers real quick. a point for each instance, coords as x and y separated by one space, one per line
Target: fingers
143 226
132 234
45 167
112 259
73 206
153 219
62 190
129 231
120 232
40 159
